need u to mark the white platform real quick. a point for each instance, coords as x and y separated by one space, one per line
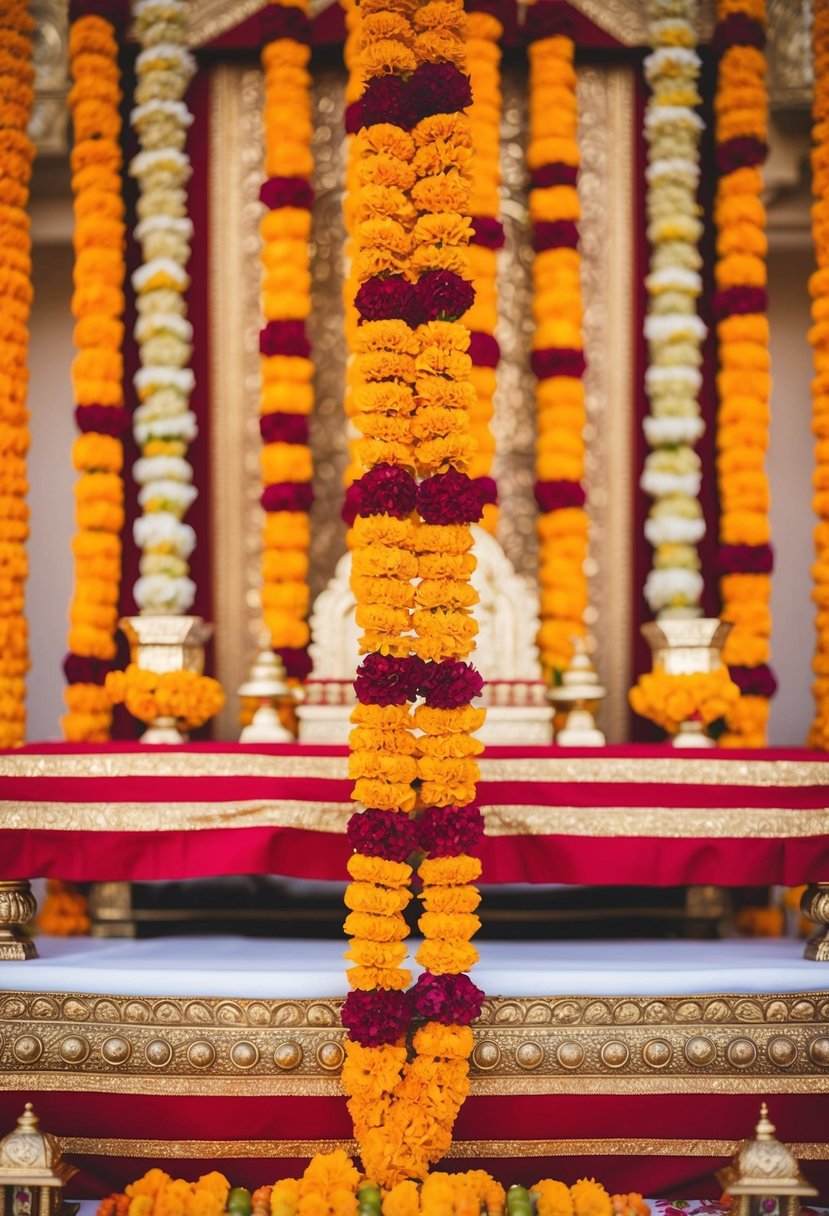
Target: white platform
248 967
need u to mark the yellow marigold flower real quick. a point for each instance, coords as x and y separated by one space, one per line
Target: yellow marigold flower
375 927
443 1042
552 1198
449 871
368 978
590 1198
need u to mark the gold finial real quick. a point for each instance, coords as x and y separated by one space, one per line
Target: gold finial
765 1129
267 683
578 695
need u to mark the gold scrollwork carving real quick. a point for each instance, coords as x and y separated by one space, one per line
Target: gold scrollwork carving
572 1044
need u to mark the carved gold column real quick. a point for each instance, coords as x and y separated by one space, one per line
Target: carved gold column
17 908
815 905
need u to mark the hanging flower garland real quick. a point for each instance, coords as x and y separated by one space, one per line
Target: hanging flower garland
163 423
353 92
819 338
740 303
17 151
673 474
98 368
484 32
412 401
287 395
558 343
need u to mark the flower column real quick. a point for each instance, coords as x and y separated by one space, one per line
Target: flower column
673 473
287 392
745 556
819 337
558 347
97 370
412 398
16 97
163 424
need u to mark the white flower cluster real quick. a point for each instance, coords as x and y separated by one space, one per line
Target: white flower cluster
163 424
672 474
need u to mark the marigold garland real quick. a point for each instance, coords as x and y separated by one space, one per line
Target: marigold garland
412 396
743 381
819 338
189 698
331 1185
16 77
287 393
163 424
484 31
558 343
97 370
673 473
670 699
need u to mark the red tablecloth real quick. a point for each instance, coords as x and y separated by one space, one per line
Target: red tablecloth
620 815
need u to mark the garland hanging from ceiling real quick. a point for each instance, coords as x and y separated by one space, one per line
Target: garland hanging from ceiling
484 31
558 342
163 424
819 338
97 370
17 95
412 401
287 394
672 474
744 384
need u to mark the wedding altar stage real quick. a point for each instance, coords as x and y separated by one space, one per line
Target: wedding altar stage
589 1057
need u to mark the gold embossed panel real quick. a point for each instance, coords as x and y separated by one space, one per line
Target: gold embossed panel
606 105
578 1045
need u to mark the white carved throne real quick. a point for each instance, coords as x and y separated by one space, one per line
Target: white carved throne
506 655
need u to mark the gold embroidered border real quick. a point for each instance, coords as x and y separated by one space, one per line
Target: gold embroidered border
321 1087
671 769
607 822
84 1146
90 1146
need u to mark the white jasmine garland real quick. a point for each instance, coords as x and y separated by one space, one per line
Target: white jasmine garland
673 429
158 468
674 278
673 588
663 116
160 158
180 225
148 378
161 119
179 426
674 530
666 57
166 56
159 10
161 529
152 324
675 168
161 106
659 484
161 593
673 330
670 327
673 379
175 495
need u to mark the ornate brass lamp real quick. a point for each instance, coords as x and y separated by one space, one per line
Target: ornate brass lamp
267 683
763 1177
32 1171
578 694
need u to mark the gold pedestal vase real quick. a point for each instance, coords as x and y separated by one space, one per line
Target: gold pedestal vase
688 647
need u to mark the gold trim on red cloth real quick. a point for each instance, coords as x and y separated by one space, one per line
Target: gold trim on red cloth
760 773
652 822
464 1149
